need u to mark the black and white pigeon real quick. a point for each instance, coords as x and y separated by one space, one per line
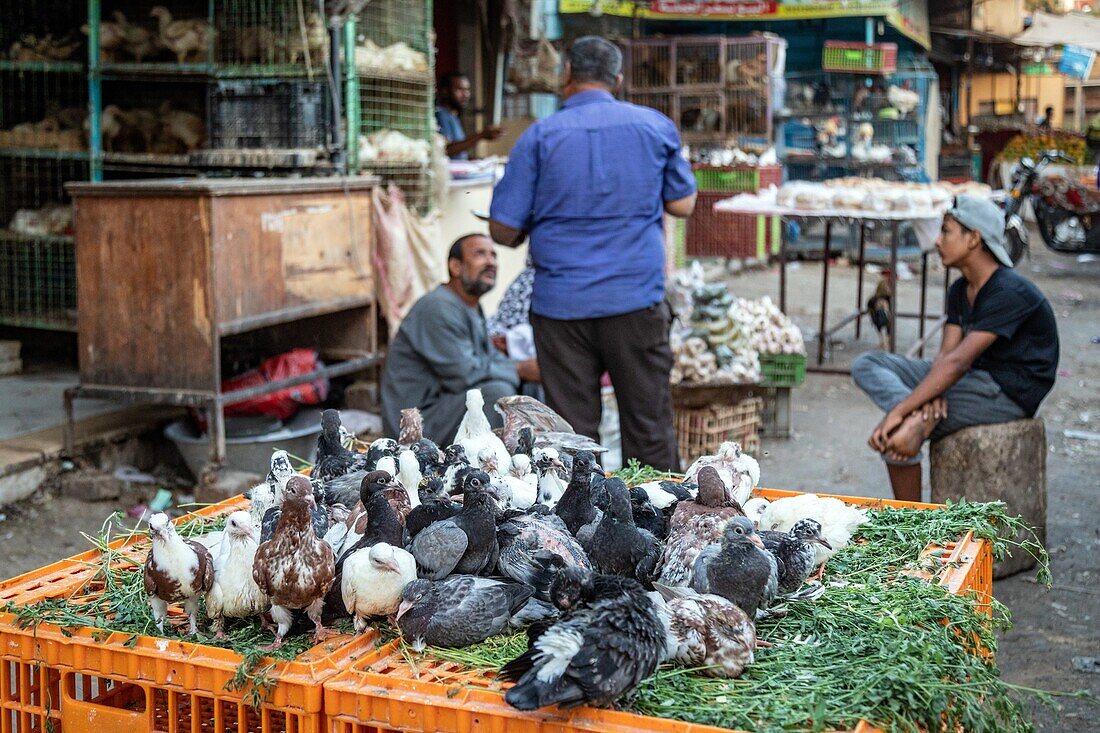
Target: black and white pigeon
663 493
382 525
706 631
458 611
333 459
575 506
603 649
618 546
739 569
647 516
794 552
526 538
433 508
320 514
467 542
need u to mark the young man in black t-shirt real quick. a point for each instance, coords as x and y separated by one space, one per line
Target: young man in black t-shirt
998 357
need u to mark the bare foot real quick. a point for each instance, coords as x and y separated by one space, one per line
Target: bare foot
905 442
272 646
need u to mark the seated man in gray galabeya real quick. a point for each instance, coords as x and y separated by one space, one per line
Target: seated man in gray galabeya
442 349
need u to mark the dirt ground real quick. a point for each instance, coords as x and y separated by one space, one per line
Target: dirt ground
828 453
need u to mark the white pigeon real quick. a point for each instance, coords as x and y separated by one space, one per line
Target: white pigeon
838 520
755 508
387 464
409 475
373 579
234 593
475 433
261 498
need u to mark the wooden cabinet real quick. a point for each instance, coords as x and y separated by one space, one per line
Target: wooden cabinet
167 270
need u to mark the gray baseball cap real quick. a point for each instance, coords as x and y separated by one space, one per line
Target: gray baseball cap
987 219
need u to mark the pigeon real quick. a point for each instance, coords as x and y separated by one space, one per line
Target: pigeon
411 427
575 505
739 569
467 542
754 509
373 579
594 655
647 516
794 552
618 546
175 570
431 509
524 537
333 459
838 520
695 525
551 487
409 475
739 472
454 460
705 631
378 523
525 442
458 611
475 433
523 413
261 497
234 593
429 456
664 493
320 519
295 568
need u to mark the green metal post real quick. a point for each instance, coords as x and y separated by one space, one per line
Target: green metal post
352 101
95 97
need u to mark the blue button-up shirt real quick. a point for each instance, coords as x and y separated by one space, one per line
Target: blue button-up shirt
450 127
588 183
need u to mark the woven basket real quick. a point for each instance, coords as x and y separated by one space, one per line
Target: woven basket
701 431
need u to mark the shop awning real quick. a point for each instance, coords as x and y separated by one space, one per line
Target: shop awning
1077 29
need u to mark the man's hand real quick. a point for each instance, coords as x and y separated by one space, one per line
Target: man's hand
880 437
528 371
492 132
500 343
934 410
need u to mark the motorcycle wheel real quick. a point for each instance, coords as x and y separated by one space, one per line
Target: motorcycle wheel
1015 245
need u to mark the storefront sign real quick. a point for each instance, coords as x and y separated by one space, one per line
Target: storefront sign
908 16
1077 62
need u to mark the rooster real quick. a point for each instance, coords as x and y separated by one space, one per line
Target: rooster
878 307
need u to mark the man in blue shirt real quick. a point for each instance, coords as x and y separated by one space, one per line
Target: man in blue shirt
590 184
454 96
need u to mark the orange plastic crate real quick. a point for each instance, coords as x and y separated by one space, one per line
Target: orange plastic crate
391 690
98 681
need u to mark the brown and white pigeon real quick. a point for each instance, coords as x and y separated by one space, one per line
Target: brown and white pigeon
234 593
175 570
295 568
411 428
694 525
705 631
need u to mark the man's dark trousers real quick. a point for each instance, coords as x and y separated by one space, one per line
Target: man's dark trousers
633 348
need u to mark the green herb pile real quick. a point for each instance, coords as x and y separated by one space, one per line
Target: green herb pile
879 645
114 600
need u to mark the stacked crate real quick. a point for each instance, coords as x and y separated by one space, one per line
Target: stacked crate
712 233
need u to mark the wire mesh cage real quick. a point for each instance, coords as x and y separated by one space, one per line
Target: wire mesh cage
265 38
43 35
42 110
394 66
717 89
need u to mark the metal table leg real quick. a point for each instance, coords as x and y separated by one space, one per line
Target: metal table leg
821 335
923 300
782 267
68 435
859 277
894 275
216 419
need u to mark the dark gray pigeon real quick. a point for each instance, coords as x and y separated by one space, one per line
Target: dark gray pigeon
575 505
522 538
467 542
333 459
794 552
602 650
739 569
618 546
458 611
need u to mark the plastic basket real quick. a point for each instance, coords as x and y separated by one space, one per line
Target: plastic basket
736 179
82 679
701 431
713 233
395 690
783 370
875 58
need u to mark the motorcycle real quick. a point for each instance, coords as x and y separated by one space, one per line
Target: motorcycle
1068 214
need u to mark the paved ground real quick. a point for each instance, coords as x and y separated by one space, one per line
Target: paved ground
828 453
